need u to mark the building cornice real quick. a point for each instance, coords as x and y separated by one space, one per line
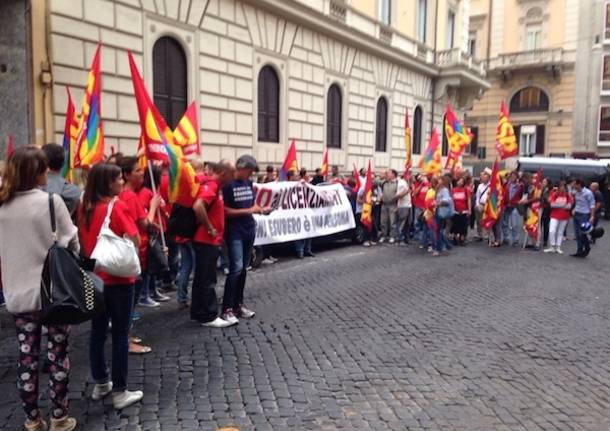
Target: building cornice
310 18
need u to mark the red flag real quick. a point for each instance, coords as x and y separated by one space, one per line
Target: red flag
356 176
290 162
506 141
186 133
366 218
159 144
458 136
324 167
430 162
9 147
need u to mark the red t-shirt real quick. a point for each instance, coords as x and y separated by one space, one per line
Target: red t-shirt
121 224
460 197
212 199
419 199
562 198
138 212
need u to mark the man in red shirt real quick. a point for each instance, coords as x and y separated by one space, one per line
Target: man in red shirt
210 211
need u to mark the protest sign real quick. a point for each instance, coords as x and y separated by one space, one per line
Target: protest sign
301 211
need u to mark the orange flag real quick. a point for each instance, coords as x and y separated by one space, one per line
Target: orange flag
366 218
493 206
408 161
324 167
506 141
533 211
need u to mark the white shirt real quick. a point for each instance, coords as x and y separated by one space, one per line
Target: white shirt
405 201
482 194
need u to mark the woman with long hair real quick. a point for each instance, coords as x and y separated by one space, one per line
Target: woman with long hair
25 238
104 185
461 203
444 211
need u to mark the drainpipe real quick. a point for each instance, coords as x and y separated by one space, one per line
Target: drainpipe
489 33
434 79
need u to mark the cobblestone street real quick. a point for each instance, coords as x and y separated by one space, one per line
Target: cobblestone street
376 339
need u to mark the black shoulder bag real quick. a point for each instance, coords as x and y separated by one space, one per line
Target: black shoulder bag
69 293
182 222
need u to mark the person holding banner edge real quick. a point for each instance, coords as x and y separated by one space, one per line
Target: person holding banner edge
240 231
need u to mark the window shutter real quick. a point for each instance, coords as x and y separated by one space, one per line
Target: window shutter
268 105
381 130
474 143
540 139
445 146
333 117
169 79
417 124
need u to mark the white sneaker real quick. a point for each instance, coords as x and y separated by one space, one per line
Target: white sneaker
268 261
246 313
217 323
272 259
381 240
558 250
100 390
366 244
230 317
549 250
392 241
120 400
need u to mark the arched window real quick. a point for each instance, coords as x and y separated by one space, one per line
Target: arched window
268 105
381 129
417 129
529 99
169 79
333 117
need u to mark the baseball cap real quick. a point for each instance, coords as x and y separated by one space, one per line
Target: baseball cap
246 162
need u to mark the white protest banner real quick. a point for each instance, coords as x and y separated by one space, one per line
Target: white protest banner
301 211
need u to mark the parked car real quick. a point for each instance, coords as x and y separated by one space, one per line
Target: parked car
561 169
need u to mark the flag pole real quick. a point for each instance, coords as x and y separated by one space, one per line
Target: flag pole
154 190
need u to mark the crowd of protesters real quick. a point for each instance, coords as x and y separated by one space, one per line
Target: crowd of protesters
435 213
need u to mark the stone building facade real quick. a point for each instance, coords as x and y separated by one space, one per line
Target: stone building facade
367 50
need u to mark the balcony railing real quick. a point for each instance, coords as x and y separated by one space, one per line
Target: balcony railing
533 58
457 57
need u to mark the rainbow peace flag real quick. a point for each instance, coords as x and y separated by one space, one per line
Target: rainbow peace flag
90 138
159 144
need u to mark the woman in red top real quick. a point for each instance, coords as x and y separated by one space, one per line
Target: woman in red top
561 204
461 202
104 184
133 176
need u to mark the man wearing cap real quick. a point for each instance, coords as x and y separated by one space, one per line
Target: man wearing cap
240 230
583 212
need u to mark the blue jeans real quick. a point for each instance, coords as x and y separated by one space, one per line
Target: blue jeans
119 305
582 240
511 220
239 258
303 246
440 243
187 257
147 284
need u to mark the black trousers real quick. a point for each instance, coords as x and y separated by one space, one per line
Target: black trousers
204 305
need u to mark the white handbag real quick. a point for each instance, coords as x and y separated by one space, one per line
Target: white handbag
115 255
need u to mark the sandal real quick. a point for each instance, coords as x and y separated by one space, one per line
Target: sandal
137 349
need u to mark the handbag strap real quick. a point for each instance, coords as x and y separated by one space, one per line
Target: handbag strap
52 214
108 213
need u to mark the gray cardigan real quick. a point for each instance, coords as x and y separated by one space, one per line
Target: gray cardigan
25 238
